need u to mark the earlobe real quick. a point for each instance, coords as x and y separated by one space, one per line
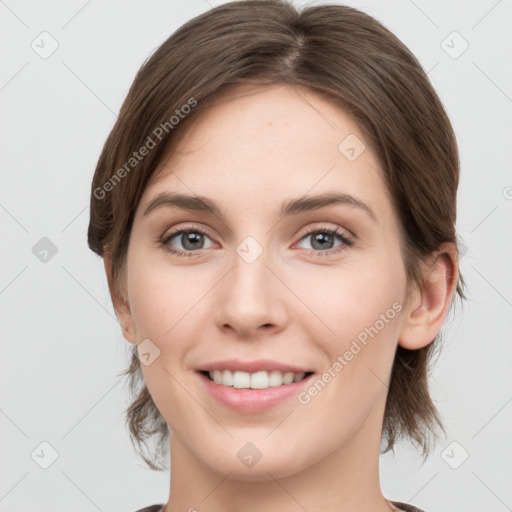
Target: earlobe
430 303
120 302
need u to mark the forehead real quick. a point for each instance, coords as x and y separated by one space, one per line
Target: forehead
276 117
272 142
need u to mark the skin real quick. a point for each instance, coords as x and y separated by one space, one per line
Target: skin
249 152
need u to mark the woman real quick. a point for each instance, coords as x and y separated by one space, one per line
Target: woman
276 210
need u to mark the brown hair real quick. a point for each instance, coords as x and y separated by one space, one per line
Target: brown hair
332 49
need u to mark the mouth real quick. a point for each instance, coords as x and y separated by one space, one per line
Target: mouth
252 393
258 380
253 386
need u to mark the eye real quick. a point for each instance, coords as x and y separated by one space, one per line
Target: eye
190 240
324 238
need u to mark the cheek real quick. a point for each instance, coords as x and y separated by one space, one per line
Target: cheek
360 312
150 308
364 311
349 300
161 297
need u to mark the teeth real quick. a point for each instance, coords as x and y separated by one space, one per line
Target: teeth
258 380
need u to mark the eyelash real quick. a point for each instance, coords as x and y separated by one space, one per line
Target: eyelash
347 241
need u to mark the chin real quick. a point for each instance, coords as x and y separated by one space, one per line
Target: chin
260 472
263 469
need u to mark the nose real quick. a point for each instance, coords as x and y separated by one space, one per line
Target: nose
251 298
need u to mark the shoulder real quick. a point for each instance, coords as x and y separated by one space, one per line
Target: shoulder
402 506
406 507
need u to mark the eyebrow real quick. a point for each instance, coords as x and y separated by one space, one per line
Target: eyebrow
289 207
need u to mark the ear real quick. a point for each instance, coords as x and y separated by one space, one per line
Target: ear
120 300
429 303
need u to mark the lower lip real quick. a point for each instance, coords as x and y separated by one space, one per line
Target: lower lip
248 400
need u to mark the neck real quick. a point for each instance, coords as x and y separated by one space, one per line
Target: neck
347 480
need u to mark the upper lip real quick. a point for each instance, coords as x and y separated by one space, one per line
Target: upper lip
251 366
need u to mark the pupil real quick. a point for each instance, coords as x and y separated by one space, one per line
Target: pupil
320 237
319 240
191 238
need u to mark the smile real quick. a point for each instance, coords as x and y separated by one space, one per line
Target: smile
256 392
258 380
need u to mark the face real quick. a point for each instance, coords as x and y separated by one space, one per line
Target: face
318 289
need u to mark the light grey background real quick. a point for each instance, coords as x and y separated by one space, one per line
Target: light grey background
61 345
